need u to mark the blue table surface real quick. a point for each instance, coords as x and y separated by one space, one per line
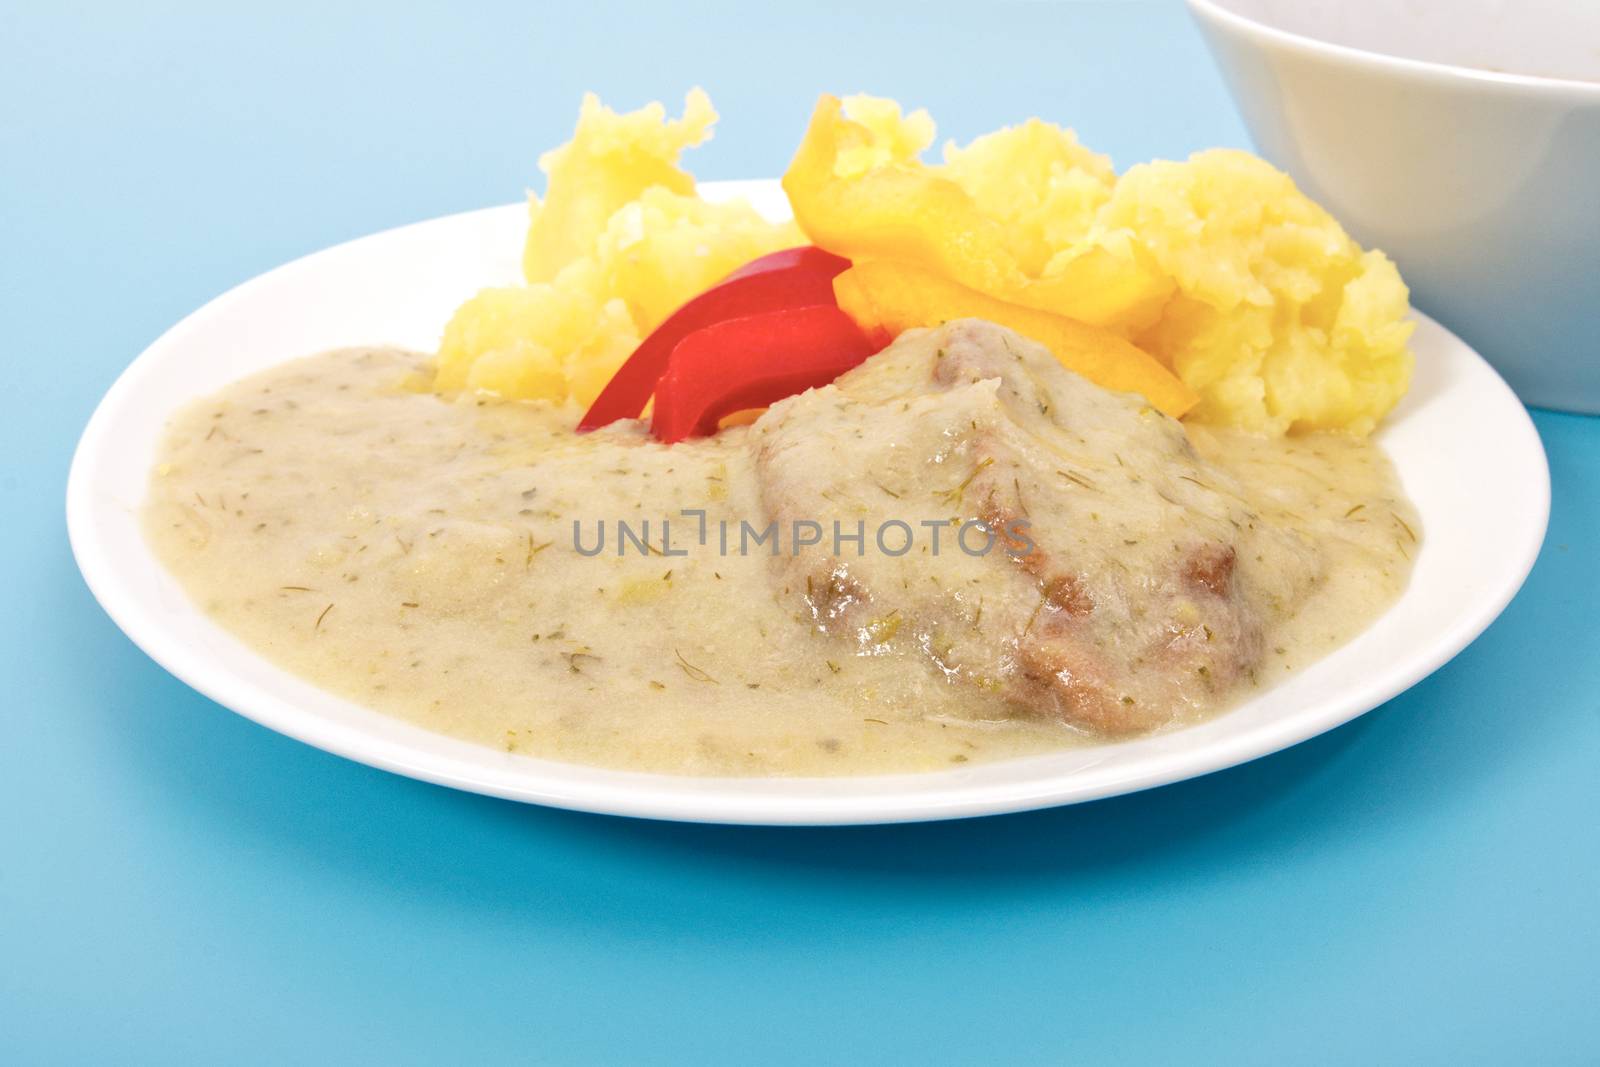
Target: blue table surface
178 884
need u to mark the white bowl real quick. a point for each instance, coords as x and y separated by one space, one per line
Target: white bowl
1464 447
1460 136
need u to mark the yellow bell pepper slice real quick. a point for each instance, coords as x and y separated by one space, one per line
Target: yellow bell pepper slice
891 297
899 208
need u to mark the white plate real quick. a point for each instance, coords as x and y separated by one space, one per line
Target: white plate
1465 448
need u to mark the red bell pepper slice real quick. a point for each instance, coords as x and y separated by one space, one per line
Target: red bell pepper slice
806 258
793 277
752 361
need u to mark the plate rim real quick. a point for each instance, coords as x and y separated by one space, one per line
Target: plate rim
664 796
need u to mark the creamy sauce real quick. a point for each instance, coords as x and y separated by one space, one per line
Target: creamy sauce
417 555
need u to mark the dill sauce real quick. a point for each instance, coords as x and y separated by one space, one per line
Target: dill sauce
417 556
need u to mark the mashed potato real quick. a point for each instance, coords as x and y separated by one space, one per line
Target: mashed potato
618 242
1280 321
1252 294
1218 266
1038 182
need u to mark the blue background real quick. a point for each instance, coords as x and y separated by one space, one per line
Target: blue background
179 884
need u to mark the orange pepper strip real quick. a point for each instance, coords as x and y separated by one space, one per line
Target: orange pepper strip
907 211
742 417
885 297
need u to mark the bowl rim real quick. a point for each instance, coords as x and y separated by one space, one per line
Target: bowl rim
1218 13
